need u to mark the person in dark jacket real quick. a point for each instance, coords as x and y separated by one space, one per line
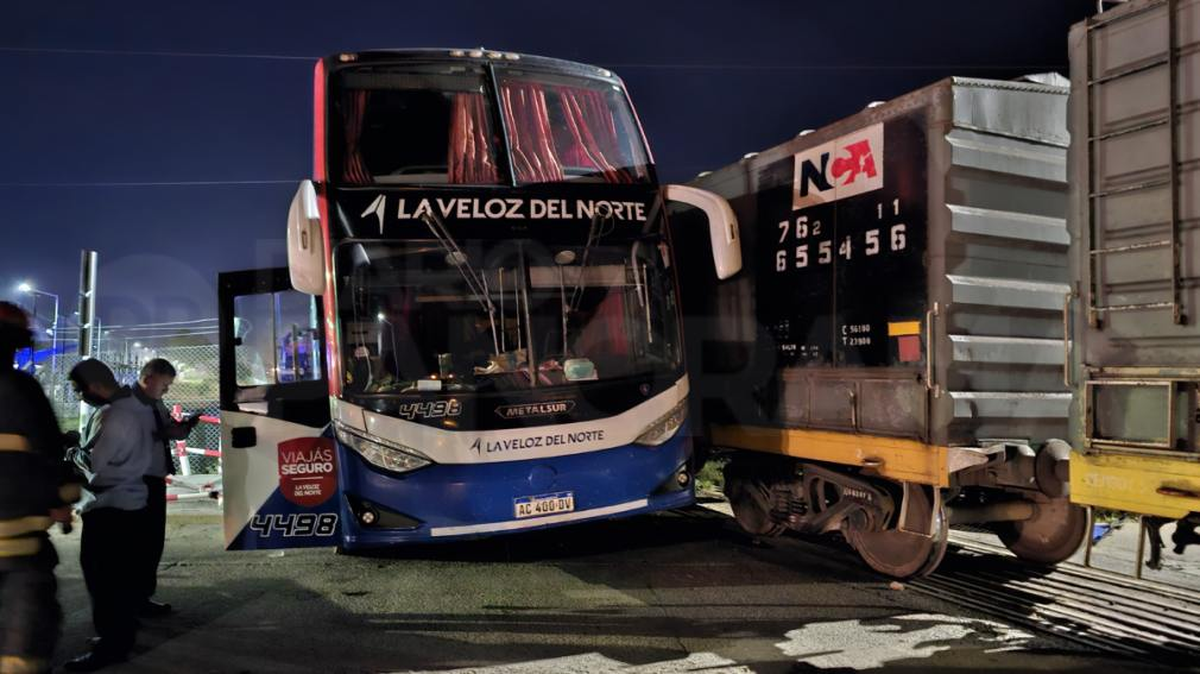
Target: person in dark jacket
33 495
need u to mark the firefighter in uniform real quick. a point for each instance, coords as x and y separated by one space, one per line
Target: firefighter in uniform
33 495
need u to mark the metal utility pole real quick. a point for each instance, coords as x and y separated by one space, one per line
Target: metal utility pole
88 263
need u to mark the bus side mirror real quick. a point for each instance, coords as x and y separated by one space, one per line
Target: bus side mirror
305 243
722 226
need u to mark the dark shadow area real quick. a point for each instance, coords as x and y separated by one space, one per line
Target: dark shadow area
645 532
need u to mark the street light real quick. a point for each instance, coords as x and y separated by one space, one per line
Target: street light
27 288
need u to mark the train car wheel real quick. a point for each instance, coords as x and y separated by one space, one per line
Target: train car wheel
898 553
750 498
942 533
1053 534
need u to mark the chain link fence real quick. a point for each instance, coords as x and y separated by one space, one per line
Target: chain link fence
195 390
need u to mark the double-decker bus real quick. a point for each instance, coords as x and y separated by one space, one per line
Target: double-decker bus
478 330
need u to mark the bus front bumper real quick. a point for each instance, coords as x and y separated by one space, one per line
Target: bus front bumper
449 502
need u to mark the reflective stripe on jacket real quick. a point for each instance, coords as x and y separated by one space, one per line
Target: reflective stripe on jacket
31 470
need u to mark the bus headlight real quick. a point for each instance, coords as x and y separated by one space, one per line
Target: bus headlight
664 427
379 452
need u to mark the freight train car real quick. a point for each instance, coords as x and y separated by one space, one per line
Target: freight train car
1135 229
890 361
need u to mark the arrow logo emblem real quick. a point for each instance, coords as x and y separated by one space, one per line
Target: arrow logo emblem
377 207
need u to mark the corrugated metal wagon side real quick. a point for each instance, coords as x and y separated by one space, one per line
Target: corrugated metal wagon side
895 348
1135 227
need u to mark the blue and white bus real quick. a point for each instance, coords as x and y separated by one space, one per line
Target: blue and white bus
478 330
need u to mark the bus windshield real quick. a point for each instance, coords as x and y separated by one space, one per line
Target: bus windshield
501 315
429 124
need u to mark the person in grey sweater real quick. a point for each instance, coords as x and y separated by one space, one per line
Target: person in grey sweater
119 442
154 381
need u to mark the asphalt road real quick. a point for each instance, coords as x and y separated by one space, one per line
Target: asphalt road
673 592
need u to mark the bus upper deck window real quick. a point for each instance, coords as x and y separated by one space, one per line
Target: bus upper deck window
427 124
416 125
570 128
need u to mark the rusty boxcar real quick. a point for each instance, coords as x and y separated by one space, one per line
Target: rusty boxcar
1135 228
890 360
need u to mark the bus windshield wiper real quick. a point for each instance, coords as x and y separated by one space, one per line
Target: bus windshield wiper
476 282
594 235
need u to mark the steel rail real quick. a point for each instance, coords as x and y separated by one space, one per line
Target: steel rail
1099 609
1148 586
1139 603
1136 616
1084 625
986 602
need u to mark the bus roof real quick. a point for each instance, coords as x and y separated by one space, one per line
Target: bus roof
473 54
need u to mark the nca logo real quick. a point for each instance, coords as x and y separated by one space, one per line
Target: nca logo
843 167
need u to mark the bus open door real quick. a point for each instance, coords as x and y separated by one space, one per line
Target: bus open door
280 465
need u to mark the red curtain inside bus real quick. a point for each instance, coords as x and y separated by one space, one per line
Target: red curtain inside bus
554 131
470 160
582 135
606 336
354 170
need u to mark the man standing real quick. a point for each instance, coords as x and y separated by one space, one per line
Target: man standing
121 438
31 498
155 380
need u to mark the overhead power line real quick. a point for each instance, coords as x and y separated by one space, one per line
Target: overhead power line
181 54
627 66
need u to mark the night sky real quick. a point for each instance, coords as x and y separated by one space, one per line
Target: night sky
170 136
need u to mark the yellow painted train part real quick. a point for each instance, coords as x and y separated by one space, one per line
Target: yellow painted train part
1149 485
894 458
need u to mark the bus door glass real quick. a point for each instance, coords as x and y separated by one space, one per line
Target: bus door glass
279 465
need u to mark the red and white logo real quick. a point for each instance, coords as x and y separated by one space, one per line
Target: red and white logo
307 470
840 168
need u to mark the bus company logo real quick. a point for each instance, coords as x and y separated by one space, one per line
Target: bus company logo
377 208
492 445
542 409
840 168
436 409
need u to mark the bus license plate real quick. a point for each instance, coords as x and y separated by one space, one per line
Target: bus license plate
546 504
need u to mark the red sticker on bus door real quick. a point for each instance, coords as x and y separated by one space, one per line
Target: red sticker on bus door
307 470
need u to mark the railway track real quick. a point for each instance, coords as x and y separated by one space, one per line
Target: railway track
1097 609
